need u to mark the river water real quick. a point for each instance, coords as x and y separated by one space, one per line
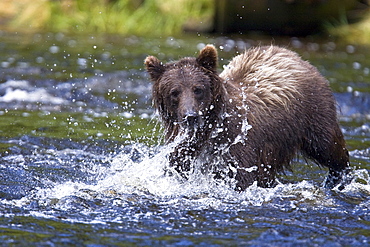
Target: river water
81 159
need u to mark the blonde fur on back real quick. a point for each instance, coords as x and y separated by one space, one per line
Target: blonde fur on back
268 73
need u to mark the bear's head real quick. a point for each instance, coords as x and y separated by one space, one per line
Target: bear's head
187 93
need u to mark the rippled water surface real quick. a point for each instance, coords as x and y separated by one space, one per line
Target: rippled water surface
81 159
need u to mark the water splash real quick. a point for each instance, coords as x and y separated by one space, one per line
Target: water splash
142 172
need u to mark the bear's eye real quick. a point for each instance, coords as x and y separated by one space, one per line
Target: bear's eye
198 91
175 93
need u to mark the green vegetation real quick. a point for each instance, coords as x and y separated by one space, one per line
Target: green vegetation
152 18
140 17
356 33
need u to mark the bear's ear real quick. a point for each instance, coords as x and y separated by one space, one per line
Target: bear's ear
208 58
154 67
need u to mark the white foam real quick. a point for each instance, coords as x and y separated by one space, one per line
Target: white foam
21 90
15 83
148 177
38 95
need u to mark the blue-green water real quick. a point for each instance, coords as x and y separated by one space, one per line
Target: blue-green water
81 159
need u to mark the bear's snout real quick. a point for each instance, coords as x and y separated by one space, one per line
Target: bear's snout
191 119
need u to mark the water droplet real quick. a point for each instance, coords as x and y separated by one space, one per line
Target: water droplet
5 64
200 46
356 65
40 60
54 49
82 62
350 49
366 71
72 43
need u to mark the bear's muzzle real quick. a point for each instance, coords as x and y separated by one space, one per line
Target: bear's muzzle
191 119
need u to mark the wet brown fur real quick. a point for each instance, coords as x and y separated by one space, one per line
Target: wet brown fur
268 104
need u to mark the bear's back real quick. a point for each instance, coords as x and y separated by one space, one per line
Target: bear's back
272 75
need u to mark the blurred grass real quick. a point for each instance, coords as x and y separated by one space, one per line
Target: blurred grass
352 26
355 33
138 17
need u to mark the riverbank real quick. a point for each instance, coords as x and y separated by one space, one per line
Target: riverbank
153 18
136 17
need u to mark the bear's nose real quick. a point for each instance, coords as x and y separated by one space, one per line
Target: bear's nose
191 119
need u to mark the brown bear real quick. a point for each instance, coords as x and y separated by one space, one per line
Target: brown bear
251 120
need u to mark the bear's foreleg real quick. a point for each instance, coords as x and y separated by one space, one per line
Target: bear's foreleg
182 158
